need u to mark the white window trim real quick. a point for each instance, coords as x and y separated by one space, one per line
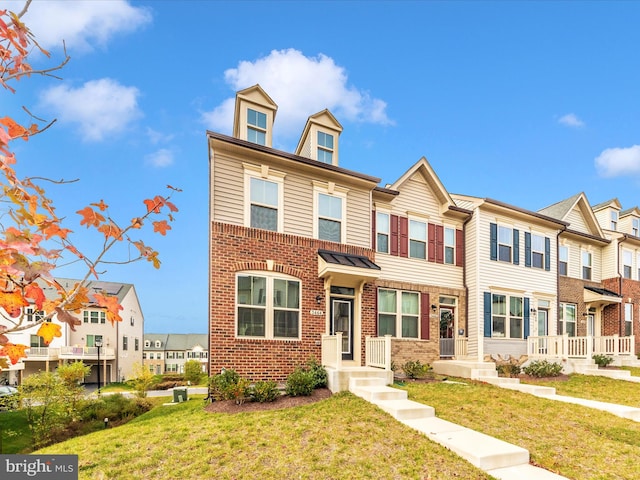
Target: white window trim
330 188
510 244
398 313
263 172
628 309
541 252
388 233
562 317
319 147
614 219
560 247
449 227
630 264
507 316
268 317
635 227
250 126
424 221
582 264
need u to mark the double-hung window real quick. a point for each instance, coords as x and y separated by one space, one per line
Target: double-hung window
586 265
614 220
92 339
256 127
417 239
627 263
264 197
628 319
382 232
506 316
563 260
125 343
505 243
537 251
330 217
398 313
34 315
635 227
449 245
567 319
267 306
94 316
325 147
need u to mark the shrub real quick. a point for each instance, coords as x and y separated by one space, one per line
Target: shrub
193 372
263 392
114 407
543 368
300 383
319 373
508 369
602 360
228 385
414 369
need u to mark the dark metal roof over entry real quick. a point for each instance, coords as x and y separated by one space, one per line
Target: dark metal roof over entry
346 259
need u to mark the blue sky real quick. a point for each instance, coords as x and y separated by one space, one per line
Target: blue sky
524 102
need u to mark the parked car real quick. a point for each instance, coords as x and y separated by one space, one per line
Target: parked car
8 397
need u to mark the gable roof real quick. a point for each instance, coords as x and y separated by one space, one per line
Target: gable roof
614 203
579 201
255 95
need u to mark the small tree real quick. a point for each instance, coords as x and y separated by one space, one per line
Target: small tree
193 372
143 380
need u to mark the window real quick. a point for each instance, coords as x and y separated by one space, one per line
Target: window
614 220
136 344
382 232
638 264
586 265
158 343
627 263
505 243
151 356
563 260
125 343
94 316
159 355
264 204
449 245
37 341
628 319
147 343
256 127
144 355
325 147
267 307
171 367
330 217
92 339
398 316
635 227
567 319
417 239
34 315
171 355
537 251
506 317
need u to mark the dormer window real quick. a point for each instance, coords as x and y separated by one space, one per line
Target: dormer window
256 127
614 220
158 343
635 227
325 147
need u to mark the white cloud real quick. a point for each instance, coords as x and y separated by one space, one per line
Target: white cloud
161 158
82 24
156 137
615 162
300 86
100 108
571 120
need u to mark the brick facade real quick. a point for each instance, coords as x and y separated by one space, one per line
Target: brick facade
571 290
629 289
236 248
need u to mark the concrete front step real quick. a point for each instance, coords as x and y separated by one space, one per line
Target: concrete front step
498 380
537 390
481 450
622 411
374 393
405 409
464 369
524 472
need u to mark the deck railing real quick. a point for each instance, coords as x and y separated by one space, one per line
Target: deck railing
43 353
565 346
87 352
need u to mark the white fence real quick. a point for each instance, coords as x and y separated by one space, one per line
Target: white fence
565 346
378 352
39 353
332 350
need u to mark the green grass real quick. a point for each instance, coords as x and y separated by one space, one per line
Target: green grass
635 371
14 432
117 387
340 437
574 441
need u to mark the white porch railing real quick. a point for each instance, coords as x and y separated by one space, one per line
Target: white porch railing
461 347
87 352
378 352
332 350
565 346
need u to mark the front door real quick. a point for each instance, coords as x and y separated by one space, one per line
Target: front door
447 340
543 330
342 321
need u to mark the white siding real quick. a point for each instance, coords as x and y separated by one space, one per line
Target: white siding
228 191
576 221
419 271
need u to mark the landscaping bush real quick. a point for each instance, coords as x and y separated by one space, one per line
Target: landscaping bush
543 368
193 372
508 369
602 360
319 373
414 369
263 392
115 407
228 385
300 383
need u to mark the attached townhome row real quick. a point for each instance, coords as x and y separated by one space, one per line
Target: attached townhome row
110 350
308 259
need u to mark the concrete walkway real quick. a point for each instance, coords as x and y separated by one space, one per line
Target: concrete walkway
500 459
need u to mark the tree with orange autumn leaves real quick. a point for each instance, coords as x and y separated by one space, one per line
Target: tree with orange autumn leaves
33 239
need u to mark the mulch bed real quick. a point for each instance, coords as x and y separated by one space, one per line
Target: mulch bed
284 401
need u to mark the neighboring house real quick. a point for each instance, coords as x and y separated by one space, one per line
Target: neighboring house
308 259
167 353
511 275
120 344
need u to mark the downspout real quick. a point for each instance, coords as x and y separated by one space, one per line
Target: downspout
464 276
558 276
